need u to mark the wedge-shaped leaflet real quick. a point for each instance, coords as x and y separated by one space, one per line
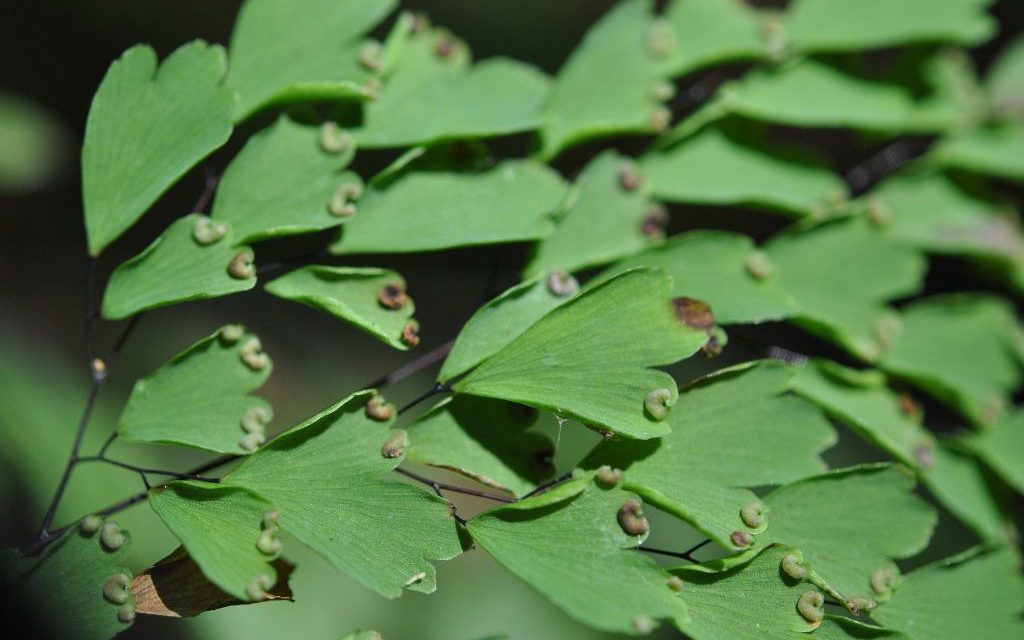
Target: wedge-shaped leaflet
851 523
1002 449
193 259
715 266
856 25
569 545
435 93
703 170
230 533
977 594
770 438
487 440
753 599
610 84
862 401
373 300
707 32
147 126
992 150
280 55
845 306
609 218
77 582
811 93
324 478
590 358
424 211
201 397
932 212
965 350
283 180
502 319
1005 80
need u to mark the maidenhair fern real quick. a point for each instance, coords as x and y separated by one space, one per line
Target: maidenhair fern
635 317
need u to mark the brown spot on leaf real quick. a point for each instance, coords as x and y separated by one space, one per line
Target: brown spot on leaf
410 335
393 296
654 222
175 587
694 313
631 518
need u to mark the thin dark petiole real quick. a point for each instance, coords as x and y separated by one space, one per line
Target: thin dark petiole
427 359
548 485
436 390
451 487
163 472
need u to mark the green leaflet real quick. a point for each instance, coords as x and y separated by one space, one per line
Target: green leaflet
719 445
841 99
862 401
850 523
324 476
281 183
844 306
977 595
711 266
177 268
962 349
707 32
68 581
992 150
354 295
487 440
425 211
608 86
200 398
1005 80
930 211
703 170
502 319
220 528
604 221
281 56
589 359
435 93
856 25
146 128
570 547
1002 449
754 600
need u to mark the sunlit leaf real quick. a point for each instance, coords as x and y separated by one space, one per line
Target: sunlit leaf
1005 80
484 439
589 359
324 477
1002 449
845 306
720 444
280 55
220 528
712 266
177 267
424 211
282 183
569 546
975 595
703 170
146 128
608 86
200 398
851 523
962 484
499 321
994 150
373 300
605 220
769 603
961 350
707 32
69 580
435 93
855 25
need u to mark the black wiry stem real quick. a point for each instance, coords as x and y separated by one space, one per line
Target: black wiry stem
549 485
684 555
451 487
145 470
436 390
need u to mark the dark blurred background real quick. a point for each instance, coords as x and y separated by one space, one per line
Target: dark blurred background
55 53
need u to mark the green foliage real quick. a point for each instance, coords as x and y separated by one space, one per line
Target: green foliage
384 148
146 128
201 397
